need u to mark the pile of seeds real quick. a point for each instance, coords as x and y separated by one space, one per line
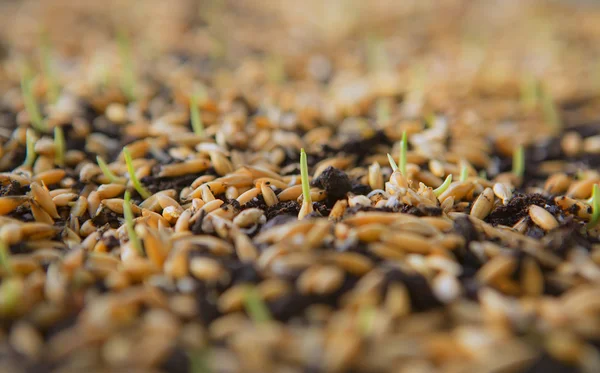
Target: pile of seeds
315 216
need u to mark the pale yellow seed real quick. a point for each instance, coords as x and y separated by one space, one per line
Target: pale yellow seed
185 168
503 192
10 203
268 194
248 196
582 189
64 199
498 267
483 205
43 198
375 176
232 192
206 269
244 248
50 177
110 190
571 143
542 218
557 183
532 279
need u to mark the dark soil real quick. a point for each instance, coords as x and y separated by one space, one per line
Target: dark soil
335 182
517 208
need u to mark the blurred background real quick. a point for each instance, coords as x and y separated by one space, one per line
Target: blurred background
487 44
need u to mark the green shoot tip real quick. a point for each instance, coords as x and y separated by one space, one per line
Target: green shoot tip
195 117
143 192
442 188
392 162
518 165
129 226
403 151
304 177
595 202
256 307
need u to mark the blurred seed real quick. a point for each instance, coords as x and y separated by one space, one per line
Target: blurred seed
205 269
582 189
532 279
9 204
188 167
500 266
557 183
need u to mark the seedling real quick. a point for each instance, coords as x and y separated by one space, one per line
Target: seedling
31 104
442 188
199 361
382 110
377 59
275 69
107 172
403 151
518 164
529 93
30 155
59 146
366 319
52 88
483 174
464 173
550 111
128 84
128 214
197 124
143 192
11 291
255 307
304 176
595 202
392 163
5 256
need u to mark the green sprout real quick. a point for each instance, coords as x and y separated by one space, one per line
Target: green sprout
366 319
30 103
377 58
5 256
30 155
430 120
197 124
11 290
403 151
392 163
275 69
143 192
442 188
199 360
304 177
128 214
464 173
52 89
106 171
595 202
59 146
255 307
382 110
483 174
518 164
550 111
128 84
529 92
